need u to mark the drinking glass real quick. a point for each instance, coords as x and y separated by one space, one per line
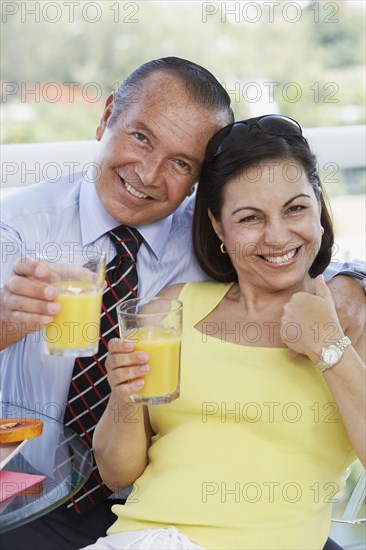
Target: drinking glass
79 278
154 325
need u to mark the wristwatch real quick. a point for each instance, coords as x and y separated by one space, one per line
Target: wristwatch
331 355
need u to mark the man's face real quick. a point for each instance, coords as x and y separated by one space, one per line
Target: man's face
150 157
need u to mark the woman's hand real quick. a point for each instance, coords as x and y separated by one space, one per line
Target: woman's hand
125 369
123 434
310 322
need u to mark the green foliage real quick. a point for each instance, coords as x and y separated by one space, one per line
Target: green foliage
48 123
310 68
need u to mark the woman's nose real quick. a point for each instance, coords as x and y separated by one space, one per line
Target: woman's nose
277 232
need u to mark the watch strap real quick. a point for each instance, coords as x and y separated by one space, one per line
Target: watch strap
341 344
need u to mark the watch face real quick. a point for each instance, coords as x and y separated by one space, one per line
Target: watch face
331 355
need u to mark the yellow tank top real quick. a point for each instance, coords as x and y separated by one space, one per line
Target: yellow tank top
250 455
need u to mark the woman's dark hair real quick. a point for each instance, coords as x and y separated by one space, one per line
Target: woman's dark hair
257 147
200 84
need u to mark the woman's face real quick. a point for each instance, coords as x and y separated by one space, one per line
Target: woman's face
270 224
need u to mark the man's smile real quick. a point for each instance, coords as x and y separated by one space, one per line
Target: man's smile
134 191
131 190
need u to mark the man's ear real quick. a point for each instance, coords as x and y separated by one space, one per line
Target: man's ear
216 225
108 108
192 190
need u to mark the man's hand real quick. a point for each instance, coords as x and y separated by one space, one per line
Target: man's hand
349 300
27 301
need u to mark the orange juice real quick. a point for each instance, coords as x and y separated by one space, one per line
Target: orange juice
163 348
76 326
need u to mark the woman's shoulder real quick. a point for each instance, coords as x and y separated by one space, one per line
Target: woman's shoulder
172 291
207 287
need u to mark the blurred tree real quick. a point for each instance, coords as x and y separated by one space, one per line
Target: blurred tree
309 68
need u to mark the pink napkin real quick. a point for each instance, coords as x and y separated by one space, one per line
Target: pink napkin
12 483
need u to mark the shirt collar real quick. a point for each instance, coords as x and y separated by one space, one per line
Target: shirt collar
95 222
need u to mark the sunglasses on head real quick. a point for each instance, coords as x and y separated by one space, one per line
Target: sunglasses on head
276 125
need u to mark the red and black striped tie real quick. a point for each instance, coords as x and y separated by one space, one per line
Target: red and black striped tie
89 389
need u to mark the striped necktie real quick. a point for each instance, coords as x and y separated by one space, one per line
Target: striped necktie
89 389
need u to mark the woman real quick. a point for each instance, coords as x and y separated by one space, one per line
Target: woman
253 451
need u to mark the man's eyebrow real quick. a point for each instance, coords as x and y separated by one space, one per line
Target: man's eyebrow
145 128
193 160
259 210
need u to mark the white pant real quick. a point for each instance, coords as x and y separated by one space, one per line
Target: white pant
160 539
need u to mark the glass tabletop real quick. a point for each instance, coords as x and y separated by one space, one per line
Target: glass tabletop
59 454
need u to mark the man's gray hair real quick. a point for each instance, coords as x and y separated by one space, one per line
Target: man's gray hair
200 84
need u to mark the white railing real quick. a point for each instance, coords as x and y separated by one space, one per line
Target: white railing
337 148
26 163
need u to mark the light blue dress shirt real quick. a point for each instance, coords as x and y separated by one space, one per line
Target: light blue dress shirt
59 215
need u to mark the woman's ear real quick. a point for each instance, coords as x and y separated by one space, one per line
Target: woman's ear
216 225
105 116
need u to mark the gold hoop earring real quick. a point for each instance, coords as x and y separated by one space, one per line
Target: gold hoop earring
322 230
222 248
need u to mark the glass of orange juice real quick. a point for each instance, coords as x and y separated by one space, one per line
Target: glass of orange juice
154 325
78 276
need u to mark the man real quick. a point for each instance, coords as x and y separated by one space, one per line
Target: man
152 139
